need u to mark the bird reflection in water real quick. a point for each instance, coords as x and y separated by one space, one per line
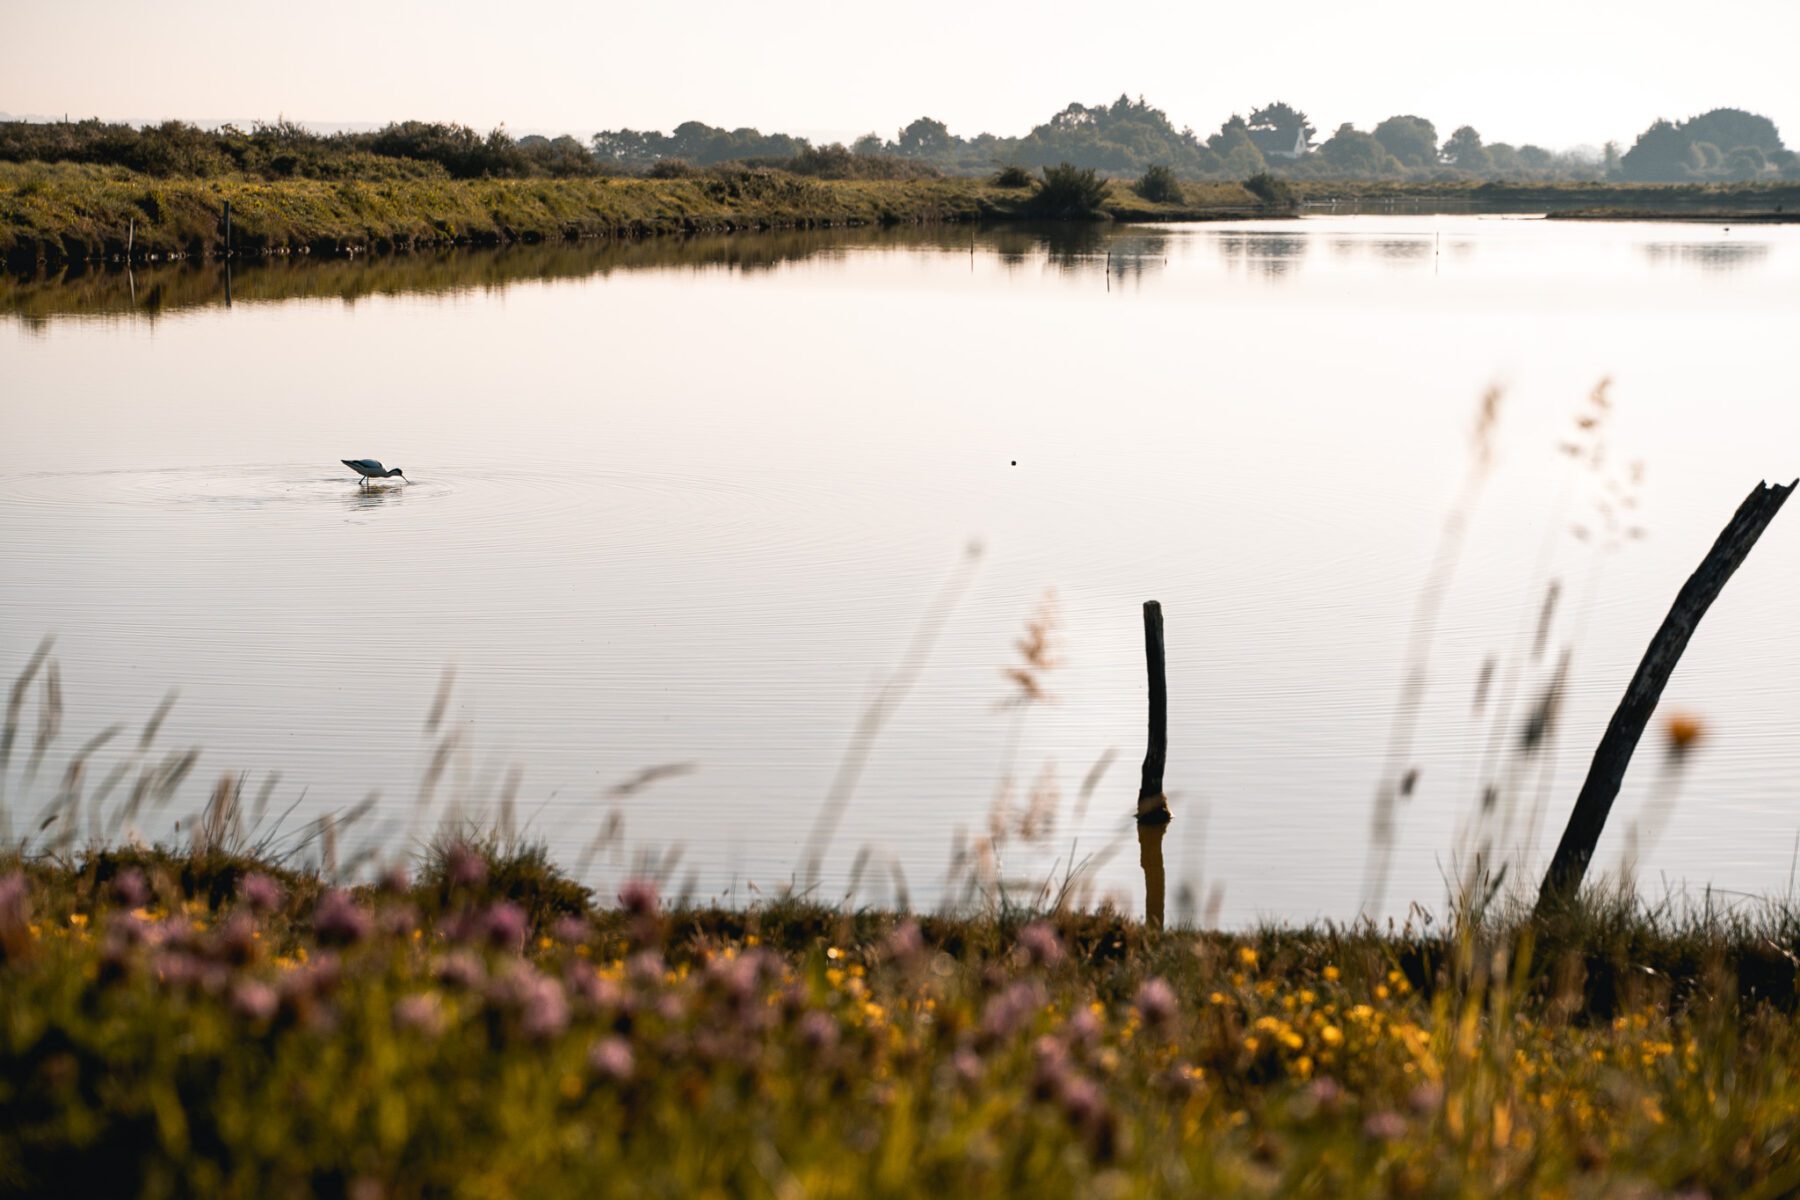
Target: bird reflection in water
373 496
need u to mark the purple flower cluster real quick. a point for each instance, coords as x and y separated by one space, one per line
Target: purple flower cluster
1042 946
611 1059
339 921
534 1000
130 889
261 893
1156 1005
1008 1013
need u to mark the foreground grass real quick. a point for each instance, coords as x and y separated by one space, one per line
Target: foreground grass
181 1025
64 212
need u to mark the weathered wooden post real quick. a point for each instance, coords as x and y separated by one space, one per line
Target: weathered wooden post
1582 835
1153 814
228 229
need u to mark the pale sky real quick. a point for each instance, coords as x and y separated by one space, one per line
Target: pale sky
1555 72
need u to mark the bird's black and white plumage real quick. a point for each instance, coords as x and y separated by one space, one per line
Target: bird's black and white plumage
369 468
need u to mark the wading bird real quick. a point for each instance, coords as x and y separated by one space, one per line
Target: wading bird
369 469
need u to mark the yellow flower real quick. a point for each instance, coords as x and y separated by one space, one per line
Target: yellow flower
1247 956
1331 974
78 920
1331 1035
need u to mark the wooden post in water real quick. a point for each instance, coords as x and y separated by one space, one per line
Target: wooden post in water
228 229
130 237
1582 835
1153 814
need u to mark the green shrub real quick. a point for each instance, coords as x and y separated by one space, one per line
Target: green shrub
1069 191
672 168
1269 189
1159 185
1012 176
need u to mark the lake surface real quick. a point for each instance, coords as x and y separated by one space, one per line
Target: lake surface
689 503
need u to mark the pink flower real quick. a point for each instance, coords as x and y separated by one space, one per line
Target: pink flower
818 1032
505 926
1082 1030
1157 1005
538 1000
906 944
645 968
253 1000
422 1013
611 1058
261 893
1385 1126
464 867
338 920
638 897
593 990
546 1011
1010 1011
130 889
1042 946
461 969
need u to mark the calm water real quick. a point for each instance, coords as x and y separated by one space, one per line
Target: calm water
688 504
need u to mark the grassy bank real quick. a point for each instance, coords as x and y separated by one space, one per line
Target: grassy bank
1656 200
208 1024
63 213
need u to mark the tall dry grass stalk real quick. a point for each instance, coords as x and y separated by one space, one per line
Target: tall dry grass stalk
1399 775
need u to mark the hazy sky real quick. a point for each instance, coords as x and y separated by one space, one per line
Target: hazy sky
1557 72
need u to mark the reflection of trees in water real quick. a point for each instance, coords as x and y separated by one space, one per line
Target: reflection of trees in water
1397 250
102 291
1706 256
1076 248
1273 255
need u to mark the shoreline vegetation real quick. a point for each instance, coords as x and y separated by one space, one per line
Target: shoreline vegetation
59 214
476 1018
64 214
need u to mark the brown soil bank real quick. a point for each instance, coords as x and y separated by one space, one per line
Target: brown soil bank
65 213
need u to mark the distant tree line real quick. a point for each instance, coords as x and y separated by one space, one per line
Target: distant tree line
285 150
1125 139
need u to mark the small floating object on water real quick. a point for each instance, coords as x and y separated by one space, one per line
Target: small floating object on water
369 469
